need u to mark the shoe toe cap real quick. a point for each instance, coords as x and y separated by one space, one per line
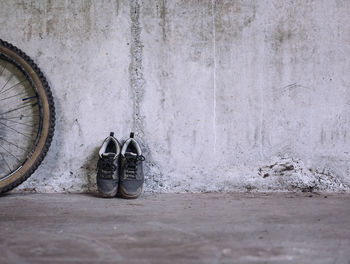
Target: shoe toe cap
131 190
107 187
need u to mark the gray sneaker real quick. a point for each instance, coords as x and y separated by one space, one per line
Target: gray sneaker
131 175
108 167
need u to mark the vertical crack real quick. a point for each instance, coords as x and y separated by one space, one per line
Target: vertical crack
214 72
137 81
153 176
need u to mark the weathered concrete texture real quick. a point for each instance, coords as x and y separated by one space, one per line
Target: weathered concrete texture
224 95
169 228
244 87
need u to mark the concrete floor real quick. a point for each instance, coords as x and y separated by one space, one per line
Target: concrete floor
175 228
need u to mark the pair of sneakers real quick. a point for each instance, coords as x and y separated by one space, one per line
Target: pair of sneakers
119 168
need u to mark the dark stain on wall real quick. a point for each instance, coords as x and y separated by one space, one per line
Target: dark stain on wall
137 87
163 12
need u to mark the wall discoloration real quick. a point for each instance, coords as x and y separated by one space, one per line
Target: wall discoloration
293 175
163 13
136 69
137 87
76 21
223 95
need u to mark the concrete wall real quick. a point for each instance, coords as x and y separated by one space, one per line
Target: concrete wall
224 95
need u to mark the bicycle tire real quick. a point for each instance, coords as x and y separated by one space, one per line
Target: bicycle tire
47 115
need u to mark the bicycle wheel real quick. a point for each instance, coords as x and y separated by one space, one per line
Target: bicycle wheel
27 116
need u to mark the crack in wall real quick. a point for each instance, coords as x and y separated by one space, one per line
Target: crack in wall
163 12
137 80
214 73
153 175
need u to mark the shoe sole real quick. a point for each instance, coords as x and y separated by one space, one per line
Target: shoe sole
128 196
107 195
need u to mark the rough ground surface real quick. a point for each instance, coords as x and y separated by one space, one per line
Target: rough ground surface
175 228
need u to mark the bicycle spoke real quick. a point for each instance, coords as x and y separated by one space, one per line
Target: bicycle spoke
6 84
8 166
12 86
18 108
28 136
6 98
20 123
13 144
9 153
3 69
29 98
18 117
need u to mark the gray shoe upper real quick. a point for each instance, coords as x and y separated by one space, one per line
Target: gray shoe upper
131 176
108 167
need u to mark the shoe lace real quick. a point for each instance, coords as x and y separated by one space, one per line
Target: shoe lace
107 164
129 164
